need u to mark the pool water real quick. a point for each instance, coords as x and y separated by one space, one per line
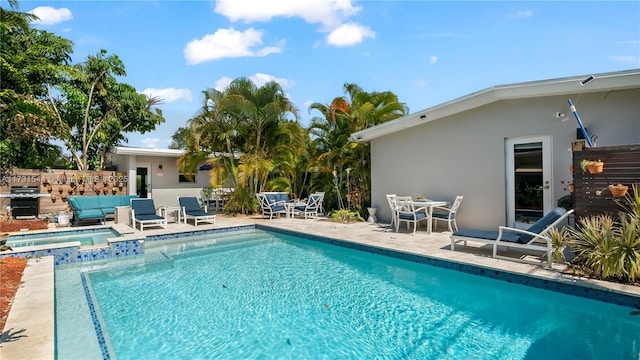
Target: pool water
86 237
262 295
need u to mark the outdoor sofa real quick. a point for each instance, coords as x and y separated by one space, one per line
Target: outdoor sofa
97 207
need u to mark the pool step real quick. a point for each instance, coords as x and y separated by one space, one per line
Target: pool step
216 243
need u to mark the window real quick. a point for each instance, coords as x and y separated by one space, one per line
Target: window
186 177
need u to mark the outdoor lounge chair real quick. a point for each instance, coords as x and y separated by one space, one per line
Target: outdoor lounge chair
311 208
143 212
273 203
535 238
191 210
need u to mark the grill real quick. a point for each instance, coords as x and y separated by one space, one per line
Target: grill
24 202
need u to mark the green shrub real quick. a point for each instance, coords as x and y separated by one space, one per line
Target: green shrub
610 249
241 201
345 216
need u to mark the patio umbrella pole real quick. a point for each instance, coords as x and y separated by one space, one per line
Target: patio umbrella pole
584 131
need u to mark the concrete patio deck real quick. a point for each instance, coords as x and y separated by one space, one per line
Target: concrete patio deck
31 320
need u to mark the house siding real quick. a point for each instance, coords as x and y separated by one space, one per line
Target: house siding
464 154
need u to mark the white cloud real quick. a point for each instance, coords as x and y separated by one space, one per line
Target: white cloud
521 14
433 59
151 143
228 43
259 79
169 94
329 13
349 34
51 16
222 83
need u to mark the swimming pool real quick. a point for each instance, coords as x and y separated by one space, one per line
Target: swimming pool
256 294
85 237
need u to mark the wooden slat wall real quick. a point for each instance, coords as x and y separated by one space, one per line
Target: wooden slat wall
621 166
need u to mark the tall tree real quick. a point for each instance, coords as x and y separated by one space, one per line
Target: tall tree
29 59
94 109
331 131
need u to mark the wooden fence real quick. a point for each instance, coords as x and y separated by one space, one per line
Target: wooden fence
591 191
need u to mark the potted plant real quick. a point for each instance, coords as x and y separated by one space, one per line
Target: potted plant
114 190
618 190
81 189
593 166
60 190
49 188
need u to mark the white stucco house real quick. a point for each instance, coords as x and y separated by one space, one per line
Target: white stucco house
156 173
506 149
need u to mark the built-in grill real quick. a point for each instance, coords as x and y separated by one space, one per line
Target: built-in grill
24 202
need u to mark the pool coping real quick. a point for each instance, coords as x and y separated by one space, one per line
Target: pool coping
30 326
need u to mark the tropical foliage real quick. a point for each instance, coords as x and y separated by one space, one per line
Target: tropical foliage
259 144
336 152
94 109
605 247
29 59
45 97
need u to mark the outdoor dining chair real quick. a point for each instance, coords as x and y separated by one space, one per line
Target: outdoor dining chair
447 214
408 213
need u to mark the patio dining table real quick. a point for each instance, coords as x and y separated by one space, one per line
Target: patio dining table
429 205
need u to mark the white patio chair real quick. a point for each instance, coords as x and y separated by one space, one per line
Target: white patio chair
391 198
447 214
408 213
311 207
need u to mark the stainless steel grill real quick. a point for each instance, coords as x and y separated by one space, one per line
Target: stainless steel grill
25 202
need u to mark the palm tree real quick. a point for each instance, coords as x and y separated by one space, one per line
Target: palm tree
250 123
344 116
260 113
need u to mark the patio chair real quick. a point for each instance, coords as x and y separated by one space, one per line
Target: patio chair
273 203
534 238
391 198
321 207
311 207
447 214
143 212
407 212
191 210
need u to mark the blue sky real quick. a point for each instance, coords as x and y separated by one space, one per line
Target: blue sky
426 52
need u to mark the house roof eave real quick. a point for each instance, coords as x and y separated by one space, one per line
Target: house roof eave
620 80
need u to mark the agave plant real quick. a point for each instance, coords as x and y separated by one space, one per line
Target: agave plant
594 243
606 248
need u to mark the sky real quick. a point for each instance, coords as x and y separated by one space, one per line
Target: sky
426 52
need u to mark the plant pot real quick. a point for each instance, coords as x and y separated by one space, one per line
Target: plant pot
64 196
49 189
595 167
60 190
70 190
53 197
105 190
618 190
81 189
